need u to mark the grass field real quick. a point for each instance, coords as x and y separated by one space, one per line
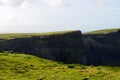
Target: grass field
19 35
104 31
26 67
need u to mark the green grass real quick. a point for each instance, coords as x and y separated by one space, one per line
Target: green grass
8 36
104 31
19 35
26 67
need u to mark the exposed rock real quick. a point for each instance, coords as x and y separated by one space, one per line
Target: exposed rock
64 47
70 47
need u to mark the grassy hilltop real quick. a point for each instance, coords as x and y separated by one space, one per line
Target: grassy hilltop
104 31
8 36
26 67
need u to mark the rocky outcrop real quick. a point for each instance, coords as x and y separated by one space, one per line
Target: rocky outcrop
72 47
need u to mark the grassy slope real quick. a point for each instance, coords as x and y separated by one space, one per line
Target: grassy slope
27 67
104 31
18 35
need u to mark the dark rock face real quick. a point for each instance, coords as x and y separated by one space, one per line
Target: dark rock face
70 47
104 49
54 47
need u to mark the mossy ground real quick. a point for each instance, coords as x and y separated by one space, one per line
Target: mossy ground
26 67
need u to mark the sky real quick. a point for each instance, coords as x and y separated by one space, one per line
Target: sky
32 16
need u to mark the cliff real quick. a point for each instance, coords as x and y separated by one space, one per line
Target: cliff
70 47
60 47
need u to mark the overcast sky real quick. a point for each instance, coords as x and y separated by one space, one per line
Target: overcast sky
56 15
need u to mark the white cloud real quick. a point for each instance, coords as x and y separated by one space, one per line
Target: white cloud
53 3
13 2
100 3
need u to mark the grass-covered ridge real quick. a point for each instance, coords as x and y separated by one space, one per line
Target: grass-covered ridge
19 35
26 67
103 31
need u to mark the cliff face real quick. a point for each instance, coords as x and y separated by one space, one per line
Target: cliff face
104 49
64 47
70 47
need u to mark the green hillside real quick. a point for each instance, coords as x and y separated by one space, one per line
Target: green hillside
19 35
104 31
26 67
